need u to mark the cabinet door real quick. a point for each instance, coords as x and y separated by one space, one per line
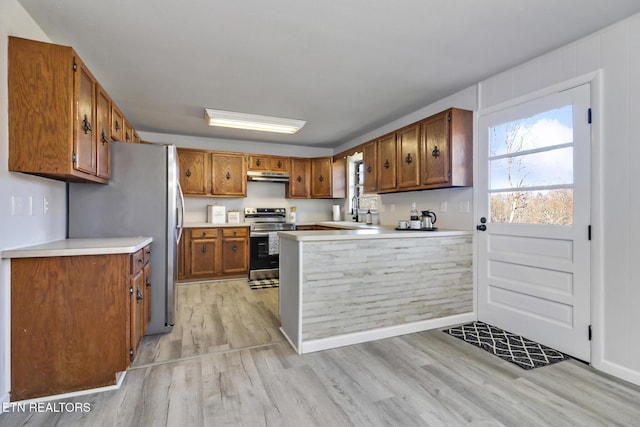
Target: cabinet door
279 164
408 140
436 160
235 251
194 172
128 131
85 138
147 298
258 163
228 174
136 285
117 124
369 158
387 162
103 127
298 178
321 177
203 257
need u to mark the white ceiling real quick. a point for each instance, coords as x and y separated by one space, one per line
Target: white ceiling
346 67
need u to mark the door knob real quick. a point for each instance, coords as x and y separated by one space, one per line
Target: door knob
482 226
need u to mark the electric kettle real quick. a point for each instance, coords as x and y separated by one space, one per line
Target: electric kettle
428 219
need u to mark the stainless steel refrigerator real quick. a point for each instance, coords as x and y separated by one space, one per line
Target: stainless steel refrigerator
143 198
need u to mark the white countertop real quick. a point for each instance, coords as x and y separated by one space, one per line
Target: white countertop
373 232
75 247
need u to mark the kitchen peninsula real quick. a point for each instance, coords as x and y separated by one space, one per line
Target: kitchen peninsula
341 287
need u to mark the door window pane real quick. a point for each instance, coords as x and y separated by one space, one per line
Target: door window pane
531 172
533 207
553 167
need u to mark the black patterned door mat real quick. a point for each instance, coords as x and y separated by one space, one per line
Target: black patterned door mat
513 348
264 283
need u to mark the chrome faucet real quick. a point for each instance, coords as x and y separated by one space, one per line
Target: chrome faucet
355 207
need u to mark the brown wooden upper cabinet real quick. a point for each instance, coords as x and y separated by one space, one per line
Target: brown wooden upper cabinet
369 158
436 152
228 174
103 127
194 172
117 123
264 163
318 178
408 144
447 149
52 101
207 173
387 161
327 178
299 174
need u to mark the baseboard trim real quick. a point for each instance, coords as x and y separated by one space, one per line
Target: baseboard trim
388 332
620 372
289 340
116 386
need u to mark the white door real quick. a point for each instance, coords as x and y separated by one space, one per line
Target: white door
533 239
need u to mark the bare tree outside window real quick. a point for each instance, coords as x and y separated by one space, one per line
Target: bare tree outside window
531 166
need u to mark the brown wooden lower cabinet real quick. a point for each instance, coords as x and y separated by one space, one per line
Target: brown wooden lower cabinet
76 321
212 253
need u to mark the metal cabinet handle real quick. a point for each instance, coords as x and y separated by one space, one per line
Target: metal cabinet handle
126 136
104 138
139 295
148 282
258 163
408 159
387 164
228 175
188 173
435 152
204 249
140 261
279 163
369 169
117 125
234 248
321 178
299 179
86 124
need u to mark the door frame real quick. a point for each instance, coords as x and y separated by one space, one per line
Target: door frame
597 223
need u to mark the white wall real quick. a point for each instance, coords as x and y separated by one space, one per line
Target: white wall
614 54
25 229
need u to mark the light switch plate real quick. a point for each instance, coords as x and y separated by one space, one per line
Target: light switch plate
443 206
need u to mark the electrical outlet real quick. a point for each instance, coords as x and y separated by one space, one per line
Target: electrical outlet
45 206
443 206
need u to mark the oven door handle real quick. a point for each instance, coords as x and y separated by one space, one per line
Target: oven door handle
260 233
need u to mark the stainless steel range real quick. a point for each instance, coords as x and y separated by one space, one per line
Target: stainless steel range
264 244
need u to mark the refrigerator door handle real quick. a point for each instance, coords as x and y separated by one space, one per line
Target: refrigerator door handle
181 226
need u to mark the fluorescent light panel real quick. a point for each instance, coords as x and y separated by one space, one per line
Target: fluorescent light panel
230 119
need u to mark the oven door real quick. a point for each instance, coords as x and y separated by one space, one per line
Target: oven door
262 264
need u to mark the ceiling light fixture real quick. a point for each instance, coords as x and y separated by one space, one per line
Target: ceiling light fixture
230 119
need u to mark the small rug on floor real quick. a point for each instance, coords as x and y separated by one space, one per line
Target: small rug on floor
264 283
513 348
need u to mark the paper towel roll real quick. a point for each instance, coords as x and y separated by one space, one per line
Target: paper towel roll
336 212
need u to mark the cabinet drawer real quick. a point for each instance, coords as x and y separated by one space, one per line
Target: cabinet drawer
203 232
137 261
234 232
147 254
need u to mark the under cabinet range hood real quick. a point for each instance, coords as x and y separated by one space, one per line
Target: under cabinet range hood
267 176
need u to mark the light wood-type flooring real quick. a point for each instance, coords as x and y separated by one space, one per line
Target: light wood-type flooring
225 364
